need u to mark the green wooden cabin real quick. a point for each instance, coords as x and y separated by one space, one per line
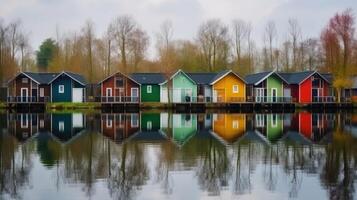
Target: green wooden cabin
149 83
181 87
267 87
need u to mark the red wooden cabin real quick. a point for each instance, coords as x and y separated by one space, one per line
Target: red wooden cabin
119 127
308 87
119 88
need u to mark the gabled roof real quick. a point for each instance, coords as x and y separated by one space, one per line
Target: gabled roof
299 77
79 78
108 77
38 77
202 78
253 136
177 72
149 136
148 78
224 73
296 137
327 76
259 77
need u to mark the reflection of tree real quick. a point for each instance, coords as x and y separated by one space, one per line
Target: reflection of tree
214 167
271 158
166 160
128 171
339 171
15 166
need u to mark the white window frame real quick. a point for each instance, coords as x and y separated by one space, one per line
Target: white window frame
24 80
107 92
61 126
134 123
61 89
149 89
24 119
235 89
149 125
42 92
109 123
235 124
42 123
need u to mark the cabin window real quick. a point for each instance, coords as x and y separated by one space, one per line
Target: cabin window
42 123
61 89
119 83
61 126
235 89
134 120
24 121
149 89
24 80
235 124
42 92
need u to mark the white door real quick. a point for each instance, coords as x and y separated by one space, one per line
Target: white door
176 95
109 92
134 94
164 97
77 120
77 95
215 95
24 94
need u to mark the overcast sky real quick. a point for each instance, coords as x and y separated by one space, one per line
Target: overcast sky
40 17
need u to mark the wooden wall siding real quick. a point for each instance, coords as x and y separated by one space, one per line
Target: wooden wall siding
67 95
110 83
224 88
120 128
28 85
306 91
229 127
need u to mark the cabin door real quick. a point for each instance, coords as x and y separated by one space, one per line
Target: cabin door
77 95
259 94
24 94
134 94
273 95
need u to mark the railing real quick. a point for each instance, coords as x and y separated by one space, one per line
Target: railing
325 99
32 99
269 99
118 99
204 99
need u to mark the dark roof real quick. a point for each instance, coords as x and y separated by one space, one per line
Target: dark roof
253 136
148 78
77 77
149 136
41 77
254 78
296 137
202 78
327 76
220 74
296 77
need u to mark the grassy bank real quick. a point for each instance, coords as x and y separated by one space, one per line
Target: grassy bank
2 105
64 107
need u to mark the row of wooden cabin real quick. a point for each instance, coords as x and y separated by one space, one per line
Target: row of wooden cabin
180 87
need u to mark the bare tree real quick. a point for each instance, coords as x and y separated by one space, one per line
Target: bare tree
138 44
124 27
270 36
88 33
239 31
165 46
214 43
295 36
250 45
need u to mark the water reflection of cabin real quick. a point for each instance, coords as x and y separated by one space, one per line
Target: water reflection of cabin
119 127
66 126
179 128
270 125
229 127
25 125
313 126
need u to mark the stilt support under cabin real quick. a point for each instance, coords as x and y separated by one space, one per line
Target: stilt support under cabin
120 107
327 107
27 107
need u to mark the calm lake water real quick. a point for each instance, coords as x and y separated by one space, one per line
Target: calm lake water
178 156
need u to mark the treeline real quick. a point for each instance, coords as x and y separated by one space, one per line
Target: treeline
216 46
